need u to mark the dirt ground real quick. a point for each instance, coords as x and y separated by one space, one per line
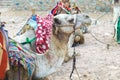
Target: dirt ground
96 60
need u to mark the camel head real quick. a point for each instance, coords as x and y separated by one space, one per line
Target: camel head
65 22
83 20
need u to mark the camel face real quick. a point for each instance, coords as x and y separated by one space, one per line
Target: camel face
64 19
83 19
65 22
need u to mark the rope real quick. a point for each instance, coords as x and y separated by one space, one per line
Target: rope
77 73
28 41
100 17
68 12
23 26
74 63
74 57
108 44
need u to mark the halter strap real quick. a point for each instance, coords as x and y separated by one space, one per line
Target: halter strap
74 52
28 41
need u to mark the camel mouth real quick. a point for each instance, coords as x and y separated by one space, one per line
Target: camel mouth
88 23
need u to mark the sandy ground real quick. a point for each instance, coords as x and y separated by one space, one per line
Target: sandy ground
96 61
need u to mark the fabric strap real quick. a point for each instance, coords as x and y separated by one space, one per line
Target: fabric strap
28 41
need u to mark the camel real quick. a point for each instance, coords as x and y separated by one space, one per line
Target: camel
72 10
79 37
48 63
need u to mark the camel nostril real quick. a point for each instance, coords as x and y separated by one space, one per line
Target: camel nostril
57 21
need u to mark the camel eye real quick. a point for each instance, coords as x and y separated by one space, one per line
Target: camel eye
87 16
57 21
71 20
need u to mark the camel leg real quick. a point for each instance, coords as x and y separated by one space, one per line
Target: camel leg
70 53
68 56
82 40
13 73
10 74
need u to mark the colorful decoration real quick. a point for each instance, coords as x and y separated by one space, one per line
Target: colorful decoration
4 63
26 57
43 33
60 6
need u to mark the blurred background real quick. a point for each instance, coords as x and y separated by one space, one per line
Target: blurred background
85 5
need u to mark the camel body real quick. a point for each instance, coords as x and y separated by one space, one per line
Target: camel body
47 63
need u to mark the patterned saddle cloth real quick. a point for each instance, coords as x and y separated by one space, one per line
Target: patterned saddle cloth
18 55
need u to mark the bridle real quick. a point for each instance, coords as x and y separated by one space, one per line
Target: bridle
74 52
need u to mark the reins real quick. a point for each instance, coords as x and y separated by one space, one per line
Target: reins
100 17
74 53
107 44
